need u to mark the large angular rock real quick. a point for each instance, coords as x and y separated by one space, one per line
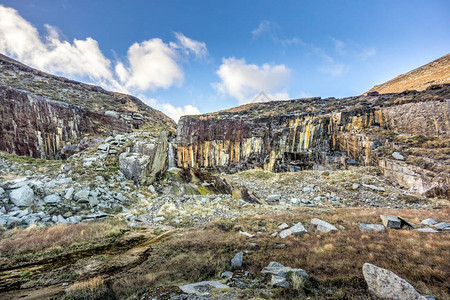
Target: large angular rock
296 229
428 222
82 195
442 226
391 221
277 269
23 196
371 227
203 288
323 226
52 199
387 285
236 262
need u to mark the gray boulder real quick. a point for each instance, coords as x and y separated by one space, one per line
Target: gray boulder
280 275
23 196
296 229
427 230
387 285
203 288
371 227
52 199
236 262
323 226
82 195
428 222
391 221
398 156
273 198
69 193
442 226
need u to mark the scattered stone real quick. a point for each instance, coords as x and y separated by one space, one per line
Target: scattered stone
236 262
355 186
283 226
398 156
273 198
374 187
246 234
387 285
279 274
406 222
428 222
52 199
296 229
82 195
226 275
427 230
278 281
391 221
203 288
442 226
323 226
371 227
22 196
69 193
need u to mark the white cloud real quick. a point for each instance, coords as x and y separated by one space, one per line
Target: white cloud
263 27
20 39
175 112
190 45
339 46
149 65
152 65
242 81
334 69
367 52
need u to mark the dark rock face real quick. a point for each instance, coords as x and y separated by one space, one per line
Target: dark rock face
293 136
34 126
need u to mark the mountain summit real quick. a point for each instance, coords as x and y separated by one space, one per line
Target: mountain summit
435 72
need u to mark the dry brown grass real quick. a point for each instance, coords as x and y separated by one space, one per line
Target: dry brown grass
202 254
34 239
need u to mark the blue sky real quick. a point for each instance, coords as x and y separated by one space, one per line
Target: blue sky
202 56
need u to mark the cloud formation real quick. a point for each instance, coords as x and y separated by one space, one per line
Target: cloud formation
190 46
149 65
243 81
175 112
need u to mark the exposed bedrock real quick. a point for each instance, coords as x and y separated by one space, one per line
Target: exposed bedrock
31 125
307 141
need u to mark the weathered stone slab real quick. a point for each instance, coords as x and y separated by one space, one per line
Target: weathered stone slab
22 196
323 226
442 226
427 230
372 227
236 262
428 222
203 288
387 285
391 221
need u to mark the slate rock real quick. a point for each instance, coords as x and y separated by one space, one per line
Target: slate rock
428 222
82 195
371 227
283 226
391 221
323 226
22 196
442 226
387 285
52 199
427 230
203 288
398 156
69 193
273 198
236 262
226 275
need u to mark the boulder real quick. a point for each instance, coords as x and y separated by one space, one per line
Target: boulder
273 198
283 226
23 196
442 226
371 227
236 262
323 226
281 274
427 230
69 193
226 275
391 221
398 156
296 229
387 285
52 199
82 195
203 288
428 222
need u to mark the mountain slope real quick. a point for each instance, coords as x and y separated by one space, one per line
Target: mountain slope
435 72
46 116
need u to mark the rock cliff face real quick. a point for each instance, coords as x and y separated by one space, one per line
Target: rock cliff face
327 133
46 116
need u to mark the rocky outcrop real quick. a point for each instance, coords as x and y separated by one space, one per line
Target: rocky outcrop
34 126
313 134
46 116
